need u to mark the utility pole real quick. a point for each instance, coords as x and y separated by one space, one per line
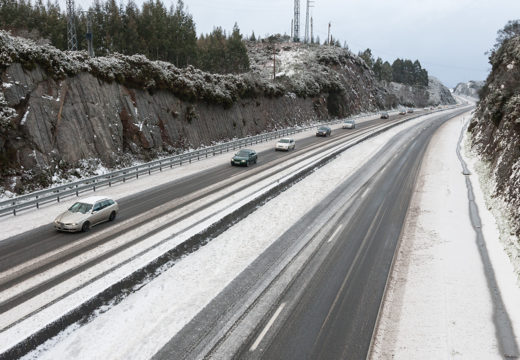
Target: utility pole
312 33
309 5
274 62
296 21
72 40
89 36
328 36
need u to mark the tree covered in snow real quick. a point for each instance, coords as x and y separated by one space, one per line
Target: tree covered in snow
511 29
158 32
219 53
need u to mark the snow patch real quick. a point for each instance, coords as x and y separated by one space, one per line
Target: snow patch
24 118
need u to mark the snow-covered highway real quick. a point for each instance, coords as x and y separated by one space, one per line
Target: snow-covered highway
200 287
48 277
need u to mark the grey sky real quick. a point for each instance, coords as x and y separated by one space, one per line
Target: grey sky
448 37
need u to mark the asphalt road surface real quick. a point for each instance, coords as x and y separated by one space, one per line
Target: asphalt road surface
329 309
35 243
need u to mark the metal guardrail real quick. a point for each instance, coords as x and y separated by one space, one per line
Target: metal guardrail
37 198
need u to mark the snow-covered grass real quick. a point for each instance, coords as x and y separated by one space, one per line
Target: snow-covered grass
197 278
438 303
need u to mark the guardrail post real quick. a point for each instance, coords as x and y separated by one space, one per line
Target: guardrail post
137 173
37 204
14 211
149 171
160 166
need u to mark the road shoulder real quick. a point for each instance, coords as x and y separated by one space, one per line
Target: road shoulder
438 302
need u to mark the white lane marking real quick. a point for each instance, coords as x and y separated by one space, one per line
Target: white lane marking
267 327
335 233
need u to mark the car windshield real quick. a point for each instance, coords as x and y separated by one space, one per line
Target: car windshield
322 128
349 122
285 141
242 153
80 207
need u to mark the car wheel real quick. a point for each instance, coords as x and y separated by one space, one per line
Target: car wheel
255 160
85 227
247 163
112 216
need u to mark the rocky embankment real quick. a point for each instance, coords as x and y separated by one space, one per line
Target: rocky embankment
435 94
495 132
469 89
65 115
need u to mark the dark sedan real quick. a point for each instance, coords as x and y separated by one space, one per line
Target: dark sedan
244 157
323 131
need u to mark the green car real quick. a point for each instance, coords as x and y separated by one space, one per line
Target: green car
244 157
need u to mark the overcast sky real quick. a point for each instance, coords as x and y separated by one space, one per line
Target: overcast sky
448 37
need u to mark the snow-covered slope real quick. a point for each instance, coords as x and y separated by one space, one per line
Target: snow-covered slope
495 137
470 88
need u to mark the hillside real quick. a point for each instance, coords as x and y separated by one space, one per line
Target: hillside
470 89
65 115
495 133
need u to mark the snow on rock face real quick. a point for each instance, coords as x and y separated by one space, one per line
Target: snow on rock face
471 88
120 109
435 94
495 129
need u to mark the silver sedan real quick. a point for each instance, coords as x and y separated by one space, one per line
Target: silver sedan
86 213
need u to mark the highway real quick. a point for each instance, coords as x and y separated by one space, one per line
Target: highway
139 209
343 280
324 302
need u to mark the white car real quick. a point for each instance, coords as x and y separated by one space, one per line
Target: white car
86 213
349 124
285 144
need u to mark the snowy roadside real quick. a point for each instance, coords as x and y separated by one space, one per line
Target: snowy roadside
496 206
439 303
31 218
151 316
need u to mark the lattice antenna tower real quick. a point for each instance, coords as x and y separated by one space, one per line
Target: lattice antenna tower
307 16
72 40
296 20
